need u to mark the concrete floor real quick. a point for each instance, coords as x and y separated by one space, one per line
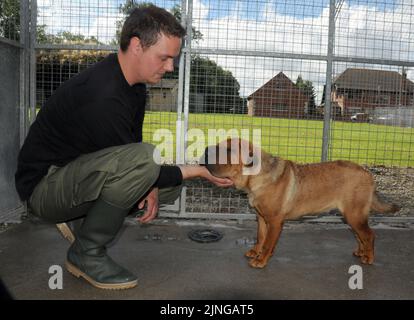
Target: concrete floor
311 262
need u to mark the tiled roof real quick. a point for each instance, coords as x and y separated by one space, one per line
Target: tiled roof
272 84
378 80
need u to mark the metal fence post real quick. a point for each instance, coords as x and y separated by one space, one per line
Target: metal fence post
179 139
180 95
327 107
187 74
24 68
32 57
186 105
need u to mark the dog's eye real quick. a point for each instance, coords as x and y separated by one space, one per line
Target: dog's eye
250 164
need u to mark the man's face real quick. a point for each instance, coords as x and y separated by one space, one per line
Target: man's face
158 59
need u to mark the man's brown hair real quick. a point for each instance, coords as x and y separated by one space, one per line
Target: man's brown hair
147 22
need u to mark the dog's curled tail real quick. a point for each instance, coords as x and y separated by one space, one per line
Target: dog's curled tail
382 207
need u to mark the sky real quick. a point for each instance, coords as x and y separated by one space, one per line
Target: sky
381 29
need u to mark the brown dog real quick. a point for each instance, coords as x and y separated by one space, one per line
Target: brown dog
281 189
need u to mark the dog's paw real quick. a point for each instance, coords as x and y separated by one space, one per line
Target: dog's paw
257 263
367 259
358 253
251 253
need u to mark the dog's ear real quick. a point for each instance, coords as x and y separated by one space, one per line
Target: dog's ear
247 152
251 158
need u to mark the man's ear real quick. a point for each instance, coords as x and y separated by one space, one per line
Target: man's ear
135 45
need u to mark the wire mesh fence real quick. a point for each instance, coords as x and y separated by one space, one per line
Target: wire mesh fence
372 92
320 79
11 92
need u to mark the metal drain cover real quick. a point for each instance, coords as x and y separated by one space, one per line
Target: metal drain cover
205 235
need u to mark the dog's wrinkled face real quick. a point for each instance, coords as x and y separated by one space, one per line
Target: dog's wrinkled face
235 159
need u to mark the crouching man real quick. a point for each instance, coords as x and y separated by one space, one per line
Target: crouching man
84 155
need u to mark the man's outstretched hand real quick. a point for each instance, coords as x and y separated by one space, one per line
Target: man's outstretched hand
193 171
188 172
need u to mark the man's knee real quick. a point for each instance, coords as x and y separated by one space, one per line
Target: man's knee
143 162
137 172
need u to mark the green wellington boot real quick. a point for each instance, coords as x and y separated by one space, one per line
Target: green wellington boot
87 257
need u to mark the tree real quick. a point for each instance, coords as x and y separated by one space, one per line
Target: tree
307 87
195 34
129 5
215 88
10 19
57 66
64 37
212 89
10 27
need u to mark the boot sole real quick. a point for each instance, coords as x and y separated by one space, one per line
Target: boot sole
116 286
66 232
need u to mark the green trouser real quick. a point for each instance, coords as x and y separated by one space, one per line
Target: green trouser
119 175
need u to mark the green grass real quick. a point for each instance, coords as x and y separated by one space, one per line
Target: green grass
301 140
